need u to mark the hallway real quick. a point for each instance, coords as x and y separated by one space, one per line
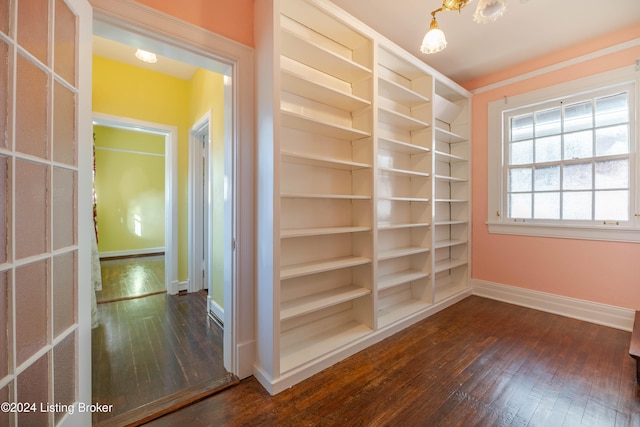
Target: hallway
150 347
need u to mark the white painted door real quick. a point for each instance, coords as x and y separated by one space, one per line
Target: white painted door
200 205
45 192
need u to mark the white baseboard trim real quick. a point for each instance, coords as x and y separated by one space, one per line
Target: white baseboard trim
593 312
183 286
215 309
245 356
131 252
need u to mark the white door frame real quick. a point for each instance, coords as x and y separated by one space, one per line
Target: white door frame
236 61
199 210
170 134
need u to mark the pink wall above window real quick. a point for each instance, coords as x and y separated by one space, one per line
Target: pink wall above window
229 18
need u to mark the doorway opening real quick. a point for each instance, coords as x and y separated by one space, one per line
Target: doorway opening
216 250
204 232
199 205
134 216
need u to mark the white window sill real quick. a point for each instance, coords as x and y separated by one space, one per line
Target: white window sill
615 233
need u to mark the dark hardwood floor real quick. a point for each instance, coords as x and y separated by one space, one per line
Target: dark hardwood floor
124 278
478 363
146 349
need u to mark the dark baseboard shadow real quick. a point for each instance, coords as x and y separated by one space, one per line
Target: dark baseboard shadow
106 301
170 403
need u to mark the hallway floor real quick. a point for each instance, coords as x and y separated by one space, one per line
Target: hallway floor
150 347
131 278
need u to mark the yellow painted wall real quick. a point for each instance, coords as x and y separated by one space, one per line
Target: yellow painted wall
207 94
130 190
127 91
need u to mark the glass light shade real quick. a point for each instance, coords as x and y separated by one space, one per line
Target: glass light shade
145 56
489 11
434 41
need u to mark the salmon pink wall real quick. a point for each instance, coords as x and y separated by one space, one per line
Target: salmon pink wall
603 272
230 18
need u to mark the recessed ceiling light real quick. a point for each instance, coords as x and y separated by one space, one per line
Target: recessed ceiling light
148 57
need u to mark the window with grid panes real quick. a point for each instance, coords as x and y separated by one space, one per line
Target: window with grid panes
570 159
562 160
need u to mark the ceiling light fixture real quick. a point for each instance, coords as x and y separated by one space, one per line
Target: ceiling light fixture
488 11
434 41
148 57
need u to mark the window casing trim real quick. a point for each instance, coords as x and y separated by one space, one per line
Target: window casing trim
627 231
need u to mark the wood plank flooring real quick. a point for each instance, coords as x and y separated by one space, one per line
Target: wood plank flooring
131 278
148 348
478 363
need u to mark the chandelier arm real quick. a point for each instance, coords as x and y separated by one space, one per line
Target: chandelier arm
454 4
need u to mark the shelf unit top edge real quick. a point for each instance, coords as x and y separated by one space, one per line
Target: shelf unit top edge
448 264
386 226
292 76
319 231
325 196
403 66
450 156
315 267
404 199
450 200
404 172
331 130
321 58
391 86
450 178
326 160
407 146
319 19
400 252
453 138
448 243
450 222
397 279
411 123
298 307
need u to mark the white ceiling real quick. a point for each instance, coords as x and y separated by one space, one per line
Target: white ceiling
120 52
528 29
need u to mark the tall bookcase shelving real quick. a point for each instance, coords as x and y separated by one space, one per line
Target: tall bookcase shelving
451 192
403 135
355 185
326 184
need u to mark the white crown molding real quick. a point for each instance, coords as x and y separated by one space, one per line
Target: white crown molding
593 312
560 65
131 14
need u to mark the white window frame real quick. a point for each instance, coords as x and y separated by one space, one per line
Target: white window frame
628 231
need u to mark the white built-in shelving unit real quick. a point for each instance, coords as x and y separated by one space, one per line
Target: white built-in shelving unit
363 193
451 191
404 172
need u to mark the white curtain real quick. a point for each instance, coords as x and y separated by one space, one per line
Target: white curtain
96 275
96 280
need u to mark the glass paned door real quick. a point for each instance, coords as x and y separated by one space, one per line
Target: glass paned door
44 122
